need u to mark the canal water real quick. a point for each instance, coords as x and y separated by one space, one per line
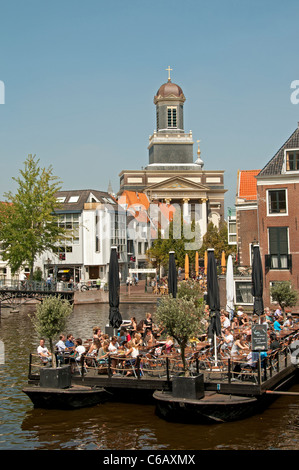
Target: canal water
118 426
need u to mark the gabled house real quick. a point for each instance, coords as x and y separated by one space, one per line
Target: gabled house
278 214
267 212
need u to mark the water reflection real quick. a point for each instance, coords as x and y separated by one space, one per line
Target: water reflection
117 425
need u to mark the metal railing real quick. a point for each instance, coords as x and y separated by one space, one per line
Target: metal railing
36 286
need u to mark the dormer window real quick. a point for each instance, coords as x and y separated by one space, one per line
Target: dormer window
292 160
172 117
73 199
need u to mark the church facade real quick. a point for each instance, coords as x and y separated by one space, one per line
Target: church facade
172 175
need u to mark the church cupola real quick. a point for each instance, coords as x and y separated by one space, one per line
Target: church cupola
169 102
169 146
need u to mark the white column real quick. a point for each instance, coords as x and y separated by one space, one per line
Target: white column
186 215
204 224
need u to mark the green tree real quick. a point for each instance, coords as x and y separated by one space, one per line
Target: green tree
182 318
28 225
191 290
217 239
284 293
176 240
50 319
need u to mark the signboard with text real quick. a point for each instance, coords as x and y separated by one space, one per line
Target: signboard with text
259 337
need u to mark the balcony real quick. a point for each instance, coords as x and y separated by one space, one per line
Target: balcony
278 261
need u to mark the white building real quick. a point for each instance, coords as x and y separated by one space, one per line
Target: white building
95 222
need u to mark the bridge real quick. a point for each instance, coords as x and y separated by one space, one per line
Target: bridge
16 292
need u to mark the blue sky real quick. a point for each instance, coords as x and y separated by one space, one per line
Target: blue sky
80 78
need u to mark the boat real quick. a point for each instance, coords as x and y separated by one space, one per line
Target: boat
73 397
216 407
213 407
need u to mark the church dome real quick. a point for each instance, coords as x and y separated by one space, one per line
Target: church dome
170 89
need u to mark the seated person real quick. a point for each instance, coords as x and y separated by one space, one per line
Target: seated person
235 324
238 346
274 343
132 352
123 336
60 348
79 349
97 333
277 325
93 351
138 340
70 345
244 320
169 344
43 352
227 339
113 345
252 360
288 322
149 340
103 353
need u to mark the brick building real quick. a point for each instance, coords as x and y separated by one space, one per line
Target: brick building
267 211
278 213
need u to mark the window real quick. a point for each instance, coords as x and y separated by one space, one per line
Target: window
292 160
277 203
60 199
71 223
97 238
73 199
243 292
61 251
278 248
172 116
232 232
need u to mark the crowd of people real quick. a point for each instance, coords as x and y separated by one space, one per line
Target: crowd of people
135 337
131 338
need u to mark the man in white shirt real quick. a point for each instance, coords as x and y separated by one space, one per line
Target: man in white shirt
43 351
61 344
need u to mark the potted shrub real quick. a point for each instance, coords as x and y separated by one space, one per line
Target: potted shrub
49 321
182 318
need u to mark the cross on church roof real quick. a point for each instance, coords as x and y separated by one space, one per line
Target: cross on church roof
169 69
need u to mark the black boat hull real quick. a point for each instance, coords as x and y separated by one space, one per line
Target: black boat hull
66 399
212 408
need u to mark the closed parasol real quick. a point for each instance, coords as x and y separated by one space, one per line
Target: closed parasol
230 286
196 265
186 267
206 263
257 281
172 275
115 318
213 299
223 262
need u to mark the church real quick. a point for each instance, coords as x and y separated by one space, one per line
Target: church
173 175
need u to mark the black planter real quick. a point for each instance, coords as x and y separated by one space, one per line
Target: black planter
109 330
191 388
59 377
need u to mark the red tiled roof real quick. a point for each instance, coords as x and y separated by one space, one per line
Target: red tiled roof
247 184
138 205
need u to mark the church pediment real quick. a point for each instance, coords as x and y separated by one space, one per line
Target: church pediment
177 183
